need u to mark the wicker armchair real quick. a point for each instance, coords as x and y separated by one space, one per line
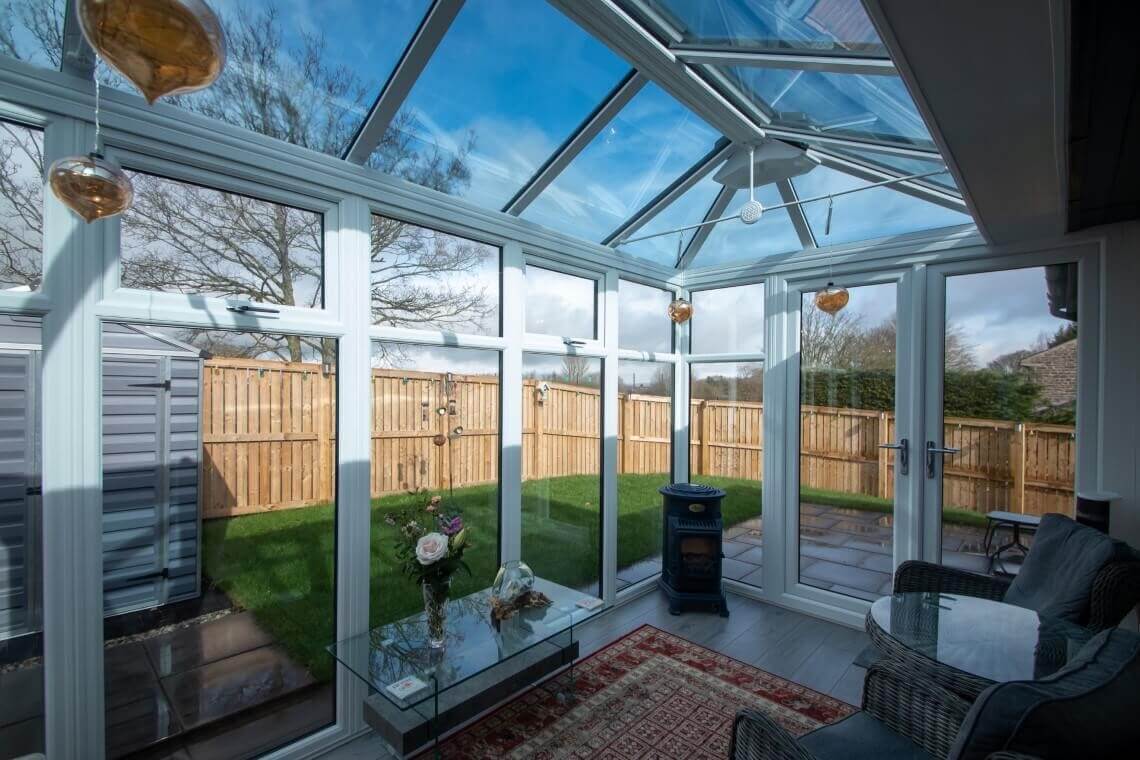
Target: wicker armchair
1115 590
917 709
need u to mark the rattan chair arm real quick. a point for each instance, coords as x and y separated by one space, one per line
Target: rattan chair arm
1115 593
755 736
916 575
913 706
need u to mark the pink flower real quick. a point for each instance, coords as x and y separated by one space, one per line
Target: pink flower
452 526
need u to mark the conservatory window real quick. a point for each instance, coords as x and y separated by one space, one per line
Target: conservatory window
728 320
642 325
21 206
425 279
733 241
561 304
184 238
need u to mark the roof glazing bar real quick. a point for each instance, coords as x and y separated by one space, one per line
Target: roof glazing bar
78 58
717 209
716 56
403 78
870 173
679 187
822 138
788 194
586 132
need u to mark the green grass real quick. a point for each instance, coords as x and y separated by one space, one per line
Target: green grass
279 565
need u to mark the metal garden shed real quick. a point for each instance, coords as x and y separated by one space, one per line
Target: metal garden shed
151 455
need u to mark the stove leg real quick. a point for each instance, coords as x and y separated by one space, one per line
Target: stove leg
723 607
674 608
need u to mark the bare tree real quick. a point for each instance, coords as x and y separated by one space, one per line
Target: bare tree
184 238
575 370
828 340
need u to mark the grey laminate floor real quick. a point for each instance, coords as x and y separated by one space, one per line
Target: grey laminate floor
795 646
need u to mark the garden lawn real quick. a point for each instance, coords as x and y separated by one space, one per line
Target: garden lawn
279 565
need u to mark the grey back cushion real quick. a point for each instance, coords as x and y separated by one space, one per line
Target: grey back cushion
1089 708
1057 576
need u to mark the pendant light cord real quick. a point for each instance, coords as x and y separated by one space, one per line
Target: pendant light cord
95 147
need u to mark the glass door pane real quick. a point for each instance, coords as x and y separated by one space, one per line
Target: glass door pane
562 469
847 411
1008 407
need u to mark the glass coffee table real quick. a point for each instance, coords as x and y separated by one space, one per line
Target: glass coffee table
968 644
418 693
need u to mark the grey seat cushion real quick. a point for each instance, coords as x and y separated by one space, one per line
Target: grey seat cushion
1087 709
1057 576
861 737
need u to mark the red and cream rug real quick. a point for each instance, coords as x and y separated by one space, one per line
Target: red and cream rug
648 695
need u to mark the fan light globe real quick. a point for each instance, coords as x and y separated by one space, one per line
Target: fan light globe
751 212
163 47
832 298
680 311
92 186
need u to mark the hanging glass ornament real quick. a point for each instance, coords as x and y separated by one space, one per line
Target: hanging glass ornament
832 298
680 311
163 47
92 186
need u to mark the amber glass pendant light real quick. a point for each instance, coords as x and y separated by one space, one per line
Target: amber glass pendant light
163 47
832 298
92 186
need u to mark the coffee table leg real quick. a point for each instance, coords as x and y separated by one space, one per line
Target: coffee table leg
570 696
435 721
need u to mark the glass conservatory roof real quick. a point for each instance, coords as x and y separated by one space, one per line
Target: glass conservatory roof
514 107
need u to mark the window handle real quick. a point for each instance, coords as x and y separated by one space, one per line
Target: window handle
246 308
931 449
903 448
572 342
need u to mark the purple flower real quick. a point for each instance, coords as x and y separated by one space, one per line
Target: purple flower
451 526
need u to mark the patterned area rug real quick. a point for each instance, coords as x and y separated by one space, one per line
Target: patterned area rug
648 695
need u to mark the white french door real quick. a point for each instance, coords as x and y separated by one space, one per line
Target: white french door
850 476
1010 389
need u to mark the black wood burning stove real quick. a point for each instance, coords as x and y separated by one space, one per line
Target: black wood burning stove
691 546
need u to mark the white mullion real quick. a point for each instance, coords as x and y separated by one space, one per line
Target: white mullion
349 258
682 341
72 471
775 431
435 338
609 443
754 356
511 385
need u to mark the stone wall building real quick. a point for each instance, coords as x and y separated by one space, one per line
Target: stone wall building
1055 370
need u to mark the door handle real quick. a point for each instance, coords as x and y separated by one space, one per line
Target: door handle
903 448
931 449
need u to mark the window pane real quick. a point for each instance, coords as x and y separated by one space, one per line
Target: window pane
847 404
726 429
878 212
645 463
219 531
21 541
839 26
736 241
410 387
643 322
185 238
32 31
562 469
292 75
651 142
493 104
432 280
560 304
859 105
690 208
1010 404
21 206
728 320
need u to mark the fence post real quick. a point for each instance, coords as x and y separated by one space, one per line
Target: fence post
705 465
626 436
537 416
324 488
1017 463
884 456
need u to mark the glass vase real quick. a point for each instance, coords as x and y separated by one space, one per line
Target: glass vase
435 611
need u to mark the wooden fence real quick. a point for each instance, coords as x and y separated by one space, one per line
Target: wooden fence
268 441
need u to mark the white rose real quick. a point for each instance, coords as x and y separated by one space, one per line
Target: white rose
431 548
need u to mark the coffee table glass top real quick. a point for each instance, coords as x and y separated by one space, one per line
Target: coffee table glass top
992 640
399 650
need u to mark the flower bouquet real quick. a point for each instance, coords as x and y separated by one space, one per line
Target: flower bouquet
430 548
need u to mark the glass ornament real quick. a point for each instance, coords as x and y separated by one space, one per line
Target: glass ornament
163 47
92 186
680 311
832 298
